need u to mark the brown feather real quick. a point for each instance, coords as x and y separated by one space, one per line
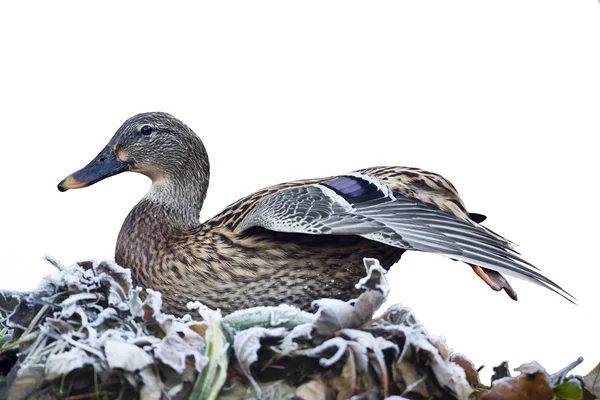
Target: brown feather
230 271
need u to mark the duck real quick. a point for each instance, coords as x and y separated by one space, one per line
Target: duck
291 243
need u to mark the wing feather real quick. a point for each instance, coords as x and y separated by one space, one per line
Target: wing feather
358 204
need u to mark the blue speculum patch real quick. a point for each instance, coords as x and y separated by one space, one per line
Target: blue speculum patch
354 189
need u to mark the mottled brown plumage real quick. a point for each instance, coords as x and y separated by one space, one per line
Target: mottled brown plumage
319 230
230 271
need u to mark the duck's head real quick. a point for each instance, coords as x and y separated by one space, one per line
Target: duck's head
157 145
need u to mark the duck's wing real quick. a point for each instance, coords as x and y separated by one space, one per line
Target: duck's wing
363 205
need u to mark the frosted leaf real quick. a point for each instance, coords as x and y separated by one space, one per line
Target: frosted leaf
361 348
450 375
214 374
71 277
282 315
439 342
398 320
68 310
8 302
419 349
469 368
61 326
61 364
74 298
531 368
285 313
404 316
183 338
22 308
246 345
151 386
152 305
335 314
105 314
126 356
288 344
119 283
360 356
173 350
135 303
366 306
375 279
365 347
561 376
338 342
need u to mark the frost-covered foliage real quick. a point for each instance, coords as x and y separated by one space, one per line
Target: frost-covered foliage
88 333
392 354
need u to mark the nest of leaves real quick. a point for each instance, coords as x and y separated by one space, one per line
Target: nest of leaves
88 333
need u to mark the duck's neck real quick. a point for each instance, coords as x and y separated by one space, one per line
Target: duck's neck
180 198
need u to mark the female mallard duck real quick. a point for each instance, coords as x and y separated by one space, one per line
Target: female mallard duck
291 243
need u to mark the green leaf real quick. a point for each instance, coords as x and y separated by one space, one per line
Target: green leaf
569 390
267 317
211 380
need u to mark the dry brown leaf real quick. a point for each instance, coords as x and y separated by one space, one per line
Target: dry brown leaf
440 343
467 365
592 381
532 384
345 384
200 329
314 390
28 381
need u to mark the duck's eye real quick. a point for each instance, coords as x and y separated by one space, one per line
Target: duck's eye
146 130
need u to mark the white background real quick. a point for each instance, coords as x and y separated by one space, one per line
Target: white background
502 98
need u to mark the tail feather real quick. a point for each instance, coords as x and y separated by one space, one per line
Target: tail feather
479 218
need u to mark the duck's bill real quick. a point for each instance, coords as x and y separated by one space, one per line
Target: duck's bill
103 166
